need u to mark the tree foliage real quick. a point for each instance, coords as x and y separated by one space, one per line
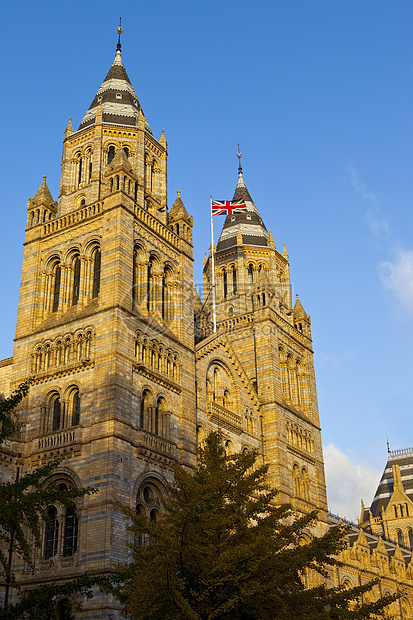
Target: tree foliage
224 550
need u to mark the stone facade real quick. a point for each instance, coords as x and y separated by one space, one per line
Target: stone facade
128 373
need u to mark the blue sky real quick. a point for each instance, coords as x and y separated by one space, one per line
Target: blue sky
319 96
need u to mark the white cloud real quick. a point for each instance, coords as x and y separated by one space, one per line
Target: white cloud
377 223
334 359
349 480
397 276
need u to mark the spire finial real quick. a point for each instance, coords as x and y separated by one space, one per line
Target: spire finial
44 178
388 445
119 30
239 155
179 193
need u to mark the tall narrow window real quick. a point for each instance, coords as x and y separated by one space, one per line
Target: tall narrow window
156 421
250 273
56 414
136 191
56 288
150 291
79 177
96 273
70 532
111 154
51 533
144 408
234 281
75 409
134 278
163 295
90 168
76 281
225 284
410 537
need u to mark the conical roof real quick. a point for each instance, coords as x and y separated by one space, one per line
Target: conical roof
178 210
249 223
404 459
116 95
43 195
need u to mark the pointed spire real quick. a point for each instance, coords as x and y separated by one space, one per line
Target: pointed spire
249 222
241 192
298 311
270 240
239 236
120 162
43 195
285 253
178 211
163 139
69 128
120 104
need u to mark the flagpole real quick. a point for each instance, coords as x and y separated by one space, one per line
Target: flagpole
214 313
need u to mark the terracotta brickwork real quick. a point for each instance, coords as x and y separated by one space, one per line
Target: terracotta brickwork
128 375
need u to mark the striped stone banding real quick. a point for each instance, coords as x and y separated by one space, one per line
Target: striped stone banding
116 95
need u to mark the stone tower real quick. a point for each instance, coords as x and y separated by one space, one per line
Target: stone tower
270 348
105 328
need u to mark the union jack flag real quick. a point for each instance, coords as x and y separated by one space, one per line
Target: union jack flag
227 207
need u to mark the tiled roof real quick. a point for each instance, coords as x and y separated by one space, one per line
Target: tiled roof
404 459
116 95
249 223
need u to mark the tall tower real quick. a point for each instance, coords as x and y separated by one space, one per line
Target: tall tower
105 327
271 342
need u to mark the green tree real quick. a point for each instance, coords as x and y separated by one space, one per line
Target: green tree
224 550
23 510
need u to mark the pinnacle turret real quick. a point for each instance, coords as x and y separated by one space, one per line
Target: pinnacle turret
43 195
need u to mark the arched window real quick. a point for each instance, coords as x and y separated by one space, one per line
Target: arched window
51 535
305 484
111 154
167 310
75 408
97 257
56 287
400 538
76 281
148 505
225 284
134 278
70 531
136 191
125 148
410 538
144 409
234 281
90 167
150 283
296 481
250 273
263 299
56 406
